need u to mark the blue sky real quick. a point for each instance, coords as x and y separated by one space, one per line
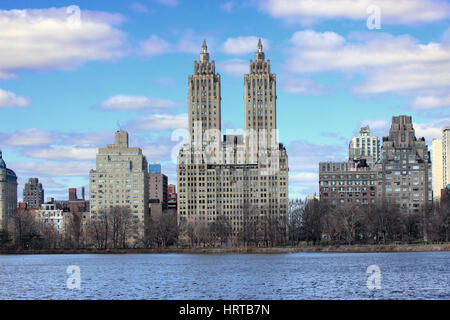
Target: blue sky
66 87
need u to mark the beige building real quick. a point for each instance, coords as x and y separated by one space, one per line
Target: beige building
437 161
204 96
244 177
446 156
365 147
8 193
120 179
404 171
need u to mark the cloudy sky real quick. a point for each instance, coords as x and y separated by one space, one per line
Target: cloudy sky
69 78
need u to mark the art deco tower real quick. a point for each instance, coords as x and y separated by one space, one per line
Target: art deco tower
404 171
204 95
260 95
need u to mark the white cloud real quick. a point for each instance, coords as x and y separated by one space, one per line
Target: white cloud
375 124
10 99
302 86
430 102
138 7
431 130
316 52
50 39
158 122
171 3
313 39
90 139
53 168
131 102
234 67
27 138
154 46
408 77
305 156
187 42
243 45
388 63
61 152
304 178
392 11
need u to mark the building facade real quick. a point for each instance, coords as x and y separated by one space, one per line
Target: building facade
51 217
33 193
446 156
172 197
8 193
157 186
120 179
347 183
404 170
75 204
245 176
365 147
437 161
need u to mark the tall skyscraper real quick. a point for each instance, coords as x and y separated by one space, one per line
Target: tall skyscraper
364 146
446 156
404 171
33 193
120 179
437 162
232 185
8 193
204 96
260 96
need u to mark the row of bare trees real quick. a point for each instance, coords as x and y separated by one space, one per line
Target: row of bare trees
113 228
318 222
313 223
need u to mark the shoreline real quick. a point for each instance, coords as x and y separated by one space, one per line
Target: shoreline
248 250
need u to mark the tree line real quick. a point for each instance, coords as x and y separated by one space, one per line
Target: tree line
312 223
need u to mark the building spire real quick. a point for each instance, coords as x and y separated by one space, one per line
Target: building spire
204 47
259 55
260 46
204 55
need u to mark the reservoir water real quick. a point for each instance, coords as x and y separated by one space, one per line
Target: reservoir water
412 275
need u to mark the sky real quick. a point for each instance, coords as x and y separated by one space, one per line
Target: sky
73 72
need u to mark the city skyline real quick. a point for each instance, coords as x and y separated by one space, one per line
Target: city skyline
139 69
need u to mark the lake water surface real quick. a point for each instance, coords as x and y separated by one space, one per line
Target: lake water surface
412 275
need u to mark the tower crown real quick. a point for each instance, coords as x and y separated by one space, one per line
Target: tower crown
259 55
121 139
204 55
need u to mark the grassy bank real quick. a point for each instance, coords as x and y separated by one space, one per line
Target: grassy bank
244 250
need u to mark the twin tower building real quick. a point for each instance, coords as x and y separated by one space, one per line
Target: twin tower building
242 178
